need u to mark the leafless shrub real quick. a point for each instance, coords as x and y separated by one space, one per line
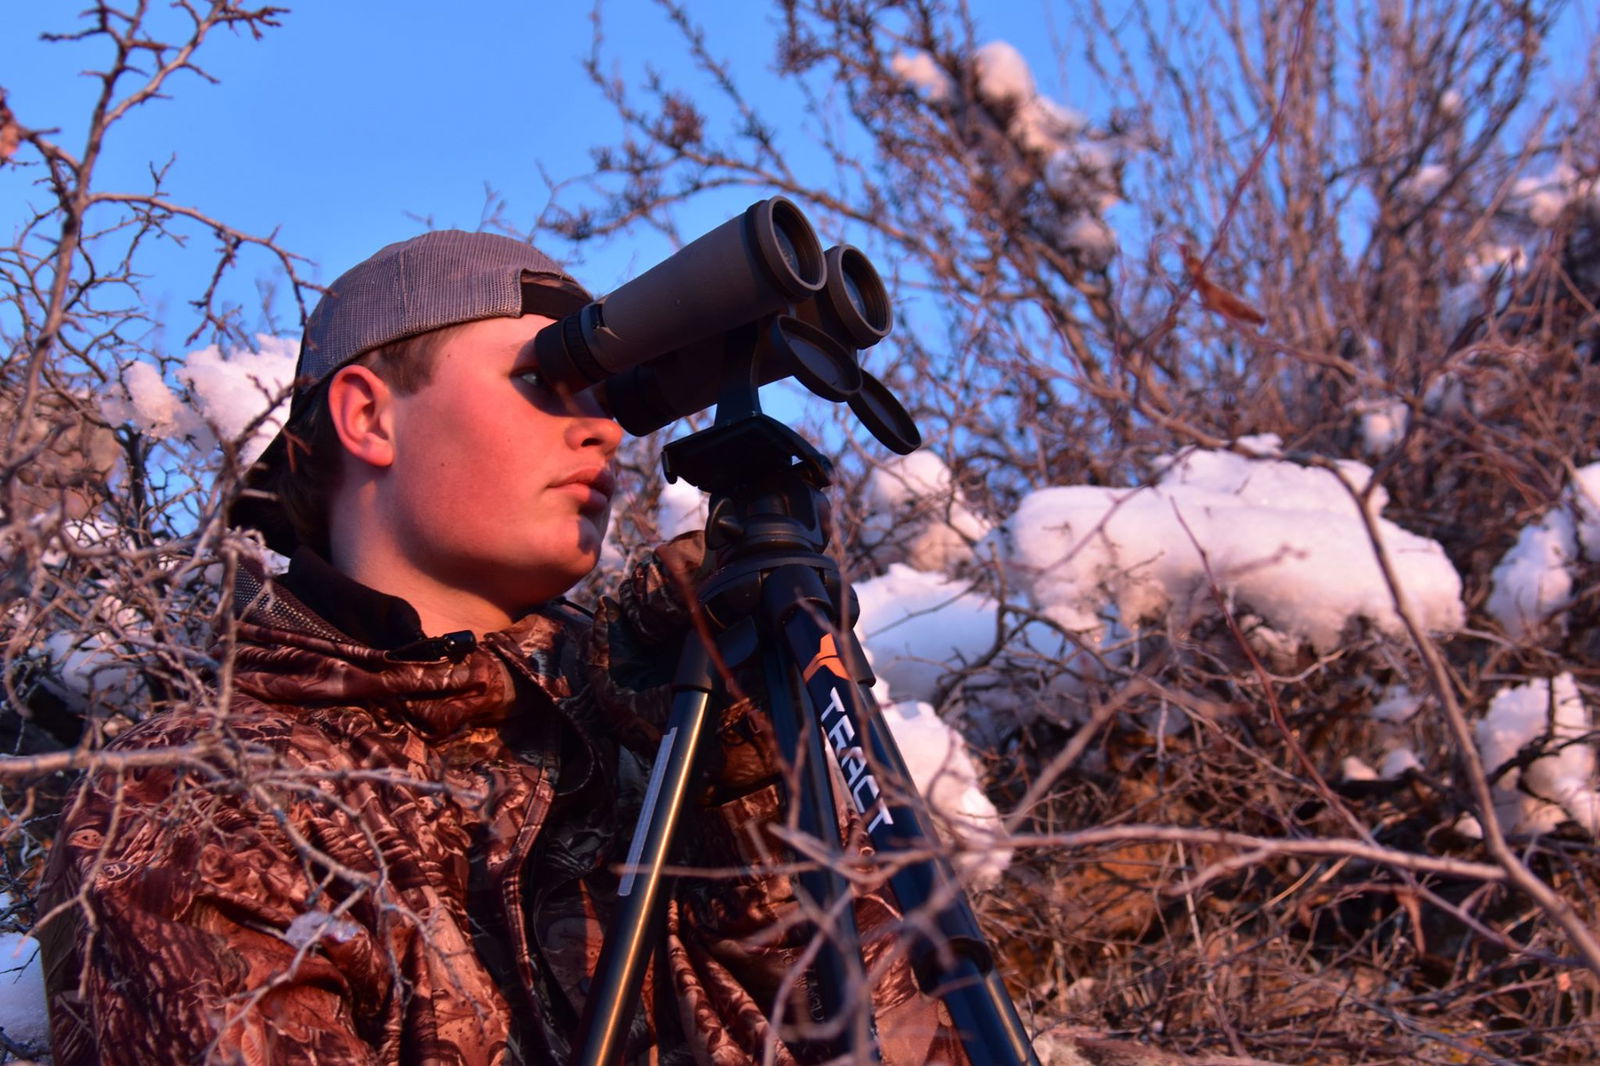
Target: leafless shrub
1342 226
1338 225
106 528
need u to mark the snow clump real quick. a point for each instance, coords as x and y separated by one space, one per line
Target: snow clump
681 508
1286 540
1585 495
1398 762
941 767
920 629
239 396
243 391
1557 785
1542 199
1424 185
1053 140
1042 125
1397 705
1533 582
920 626
1383 425
147 402
1001 76
1532 205
1093 240
96 663
924 74
1488 267
917 514
23 1015
1083 174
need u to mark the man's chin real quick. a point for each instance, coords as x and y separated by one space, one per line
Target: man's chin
592 534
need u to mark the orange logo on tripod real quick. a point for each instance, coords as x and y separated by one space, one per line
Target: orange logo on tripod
827 658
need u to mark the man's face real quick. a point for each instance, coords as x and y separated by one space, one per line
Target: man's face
500 487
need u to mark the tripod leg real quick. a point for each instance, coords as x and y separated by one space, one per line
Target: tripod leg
956 964
619 974
971 988
837 970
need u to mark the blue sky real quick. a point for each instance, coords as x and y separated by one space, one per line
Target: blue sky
352 121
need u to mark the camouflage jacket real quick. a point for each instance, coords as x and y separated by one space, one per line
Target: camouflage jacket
397 856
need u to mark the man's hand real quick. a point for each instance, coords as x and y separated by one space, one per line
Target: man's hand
634 655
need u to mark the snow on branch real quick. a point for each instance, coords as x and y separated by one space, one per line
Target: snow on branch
1283 540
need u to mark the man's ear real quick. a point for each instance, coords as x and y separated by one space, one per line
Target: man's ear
362 407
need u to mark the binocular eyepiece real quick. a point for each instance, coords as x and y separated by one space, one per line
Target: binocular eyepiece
757 298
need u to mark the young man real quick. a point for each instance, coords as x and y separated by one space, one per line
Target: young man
393 836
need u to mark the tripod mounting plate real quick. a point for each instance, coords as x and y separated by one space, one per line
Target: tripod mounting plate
728 456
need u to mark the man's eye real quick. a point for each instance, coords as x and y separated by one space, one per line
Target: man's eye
531 377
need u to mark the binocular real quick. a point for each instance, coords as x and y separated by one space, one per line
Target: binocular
753 301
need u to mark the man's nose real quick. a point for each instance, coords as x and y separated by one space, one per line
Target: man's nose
591 427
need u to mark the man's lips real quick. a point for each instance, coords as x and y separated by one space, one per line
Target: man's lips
600 482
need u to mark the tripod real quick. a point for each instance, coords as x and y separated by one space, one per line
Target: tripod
777 596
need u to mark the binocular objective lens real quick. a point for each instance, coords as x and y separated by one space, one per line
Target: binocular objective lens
852 291
786 248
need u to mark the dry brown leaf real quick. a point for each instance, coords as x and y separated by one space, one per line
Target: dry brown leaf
10 132
1214 297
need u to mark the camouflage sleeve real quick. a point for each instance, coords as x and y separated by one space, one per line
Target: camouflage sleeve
172 936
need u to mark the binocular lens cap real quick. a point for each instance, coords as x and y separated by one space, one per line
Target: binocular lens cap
819 362
884 416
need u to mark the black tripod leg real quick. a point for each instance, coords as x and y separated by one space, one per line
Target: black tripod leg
956 964
836 970
969 985
619 974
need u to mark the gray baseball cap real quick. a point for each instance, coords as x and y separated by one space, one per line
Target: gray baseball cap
439 279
